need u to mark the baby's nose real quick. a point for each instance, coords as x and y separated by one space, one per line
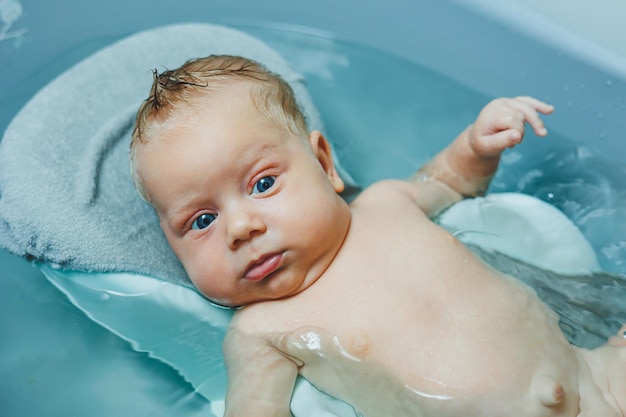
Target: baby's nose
243 225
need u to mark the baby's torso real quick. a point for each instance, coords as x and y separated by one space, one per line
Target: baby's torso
406 296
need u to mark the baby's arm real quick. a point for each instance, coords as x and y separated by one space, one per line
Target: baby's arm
465 167
260 378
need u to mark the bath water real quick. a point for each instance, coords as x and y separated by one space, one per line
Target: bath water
386 117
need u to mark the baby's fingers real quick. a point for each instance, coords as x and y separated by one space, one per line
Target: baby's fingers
494 144
303 345
530 108
310 345
538 105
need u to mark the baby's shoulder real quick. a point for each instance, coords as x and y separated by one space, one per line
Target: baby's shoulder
265 316
248 318
386 192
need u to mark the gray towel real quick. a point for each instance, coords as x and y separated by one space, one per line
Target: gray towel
66 197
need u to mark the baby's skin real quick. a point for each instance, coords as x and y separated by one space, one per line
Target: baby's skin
372 302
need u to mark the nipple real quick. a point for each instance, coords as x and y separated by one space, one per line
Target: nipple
549 391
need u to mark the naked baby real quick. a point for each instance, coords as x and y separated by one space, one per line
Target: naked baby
370 301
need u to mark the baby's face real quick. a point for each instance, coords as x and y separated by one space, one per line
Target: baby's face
251 210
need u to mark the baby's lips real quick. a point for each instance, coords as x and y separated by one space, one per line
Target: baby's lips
264 266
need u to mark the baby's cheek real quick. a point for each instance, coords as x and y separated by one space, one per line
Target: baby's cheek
209 288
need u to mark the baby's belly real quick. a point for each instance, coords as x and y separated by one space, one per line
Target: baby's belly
515 364
474 345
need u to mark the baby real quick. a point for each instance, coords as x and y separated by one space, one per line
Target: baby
370 301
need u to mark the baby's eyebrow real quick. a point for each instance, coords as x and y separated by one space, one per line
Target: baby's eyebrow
176 217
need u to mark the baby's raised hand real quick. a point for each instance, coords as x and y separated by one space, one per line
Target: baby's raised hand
466 166
501 124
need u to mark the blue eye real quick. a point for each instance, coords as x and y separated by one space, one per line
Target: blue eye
263 184
203 221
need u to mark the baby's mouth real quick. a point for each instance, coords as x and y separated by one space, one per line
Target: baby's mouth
263 266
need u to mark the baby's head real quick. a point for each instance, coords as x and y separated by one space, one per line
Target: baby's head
175 92
247 199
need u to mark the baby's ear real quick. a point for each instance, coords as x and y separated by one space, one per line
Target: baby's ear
323 152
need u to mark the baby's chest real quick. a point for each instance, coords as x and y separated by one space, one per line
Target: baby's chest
495 367
433 345
439 338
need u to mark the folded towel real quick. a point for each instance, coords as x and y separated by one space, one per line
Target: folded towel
66 196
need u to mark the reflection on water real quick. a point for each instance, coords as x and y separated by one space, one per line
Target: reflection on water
588 188
591 306
10 12
55 361
591 190
387 117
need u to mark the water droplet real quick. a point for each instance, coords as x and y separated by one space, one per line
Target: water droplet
570 104
609 83
583 86
566 89
600 115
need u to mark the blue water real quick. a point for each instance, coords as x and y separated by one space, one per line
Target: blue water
386 116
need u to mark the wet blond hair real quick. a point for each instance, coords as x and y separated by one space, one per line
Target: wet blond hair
195 81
